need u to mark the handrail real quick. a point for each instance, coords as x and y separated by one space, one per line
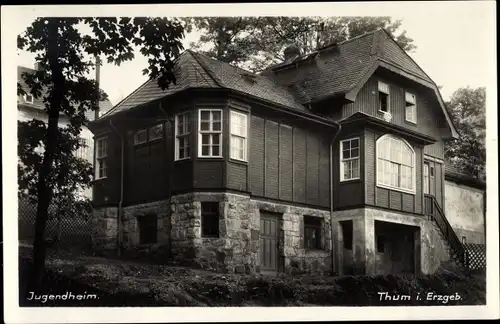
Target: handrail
439 217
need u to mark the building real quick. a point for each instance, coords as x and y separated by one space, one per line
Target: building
331 162
29 108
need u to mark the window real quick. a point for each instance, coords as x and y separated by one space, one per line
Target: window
28 98
383 97
83 150
349 166
380 243
182 135
102 158
148 229
426 178
432 171
312 233
140 137
347 227
411 108
210 133
210 219
156 132
395 164
238 136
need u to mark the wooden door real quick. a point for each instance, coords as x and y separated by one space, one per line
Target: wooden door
269 230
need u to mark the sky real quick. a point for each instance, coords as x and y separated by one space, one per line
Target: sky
452 45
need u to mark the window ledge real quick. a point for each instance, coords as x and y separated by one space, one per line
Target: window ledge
211 157
238 161
411 122
102 178
350 180
183 159
411 192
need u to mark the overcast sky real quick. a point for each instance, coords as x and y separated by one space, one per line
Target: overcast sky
453 39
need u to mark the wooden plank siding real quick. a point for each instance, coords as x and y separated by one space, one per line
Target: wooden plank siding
429 116
289 169
348 193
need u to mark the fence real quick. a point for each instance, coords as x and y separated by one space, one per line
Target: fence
63 228
475 256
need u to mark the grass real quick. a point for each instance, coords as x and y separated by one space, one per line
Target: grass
128 283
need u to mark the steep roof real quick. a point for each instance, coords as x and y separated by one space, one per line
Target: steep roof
104 106
195 70
342 69
339 68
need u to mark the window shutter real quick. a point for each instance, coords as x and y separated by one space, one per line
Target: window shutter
383 87
410 98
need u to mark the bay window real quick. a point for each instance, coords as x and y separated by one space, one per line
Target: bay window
238 136
182 135
395 164
210 133
349 165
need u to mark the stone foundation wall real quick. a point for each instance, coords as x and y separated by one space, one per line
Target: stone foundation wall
131 216
295 258
230 252
237 247
104 228
363 258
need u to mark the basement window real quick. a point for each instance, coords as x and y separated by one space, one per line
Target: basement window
383 97
312 233
210 219
148 229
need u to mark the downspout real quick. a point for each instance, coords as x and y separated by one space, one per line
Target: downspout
120 203
334 247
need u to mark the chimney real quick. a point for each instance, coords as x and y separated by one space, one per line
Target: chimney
38 66
291 53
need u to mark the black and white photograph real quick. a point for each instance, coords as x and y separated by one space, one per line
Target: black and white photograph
195 162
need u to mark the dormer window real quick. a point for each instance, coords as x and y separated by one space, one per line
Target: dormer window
28 98
411 108
383 97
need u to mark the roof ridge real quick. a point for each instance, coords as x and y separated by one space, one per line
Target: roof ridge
197 67
209 71
318 51
408 55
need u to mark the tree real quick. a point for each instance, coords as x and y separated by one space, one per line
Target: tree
256 43
65 54
468 112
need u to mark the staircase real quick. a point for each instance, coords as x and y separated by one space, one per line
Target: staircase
456 248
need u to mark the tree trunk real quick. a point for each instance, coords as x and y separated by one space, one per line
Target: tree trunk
44 191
